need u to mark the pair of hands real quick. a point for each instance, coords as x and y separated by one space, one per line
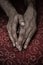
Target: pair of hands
26 29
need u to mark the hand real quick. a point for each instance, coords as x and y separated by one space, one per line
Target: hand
30 20
12 30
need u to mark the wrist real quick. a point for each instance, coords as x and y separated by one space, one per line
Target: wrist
13 12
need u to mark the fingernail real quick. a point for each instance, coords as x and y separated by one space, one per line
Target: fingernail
22 24
25 47
14 45
18 47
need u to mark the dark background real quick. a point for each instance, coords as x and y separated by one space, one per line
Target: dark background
20 5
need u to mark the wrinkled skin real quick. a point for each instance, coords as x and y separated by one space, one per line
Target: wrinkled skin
30 20
27 24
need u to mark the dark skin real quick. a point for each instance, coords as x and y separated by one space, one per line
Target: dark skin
27 24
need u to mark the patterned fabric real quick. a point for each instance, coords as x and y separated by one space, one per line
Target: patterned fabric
33 55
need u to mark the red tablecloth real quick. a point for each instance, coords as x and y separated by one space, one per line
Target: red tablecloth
33 55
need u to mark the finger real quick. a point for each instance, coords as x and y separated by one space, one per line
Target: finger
19 41
30 32
21 20
21 33
29 37
9 32
22 29
26 35
13 28
19 47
